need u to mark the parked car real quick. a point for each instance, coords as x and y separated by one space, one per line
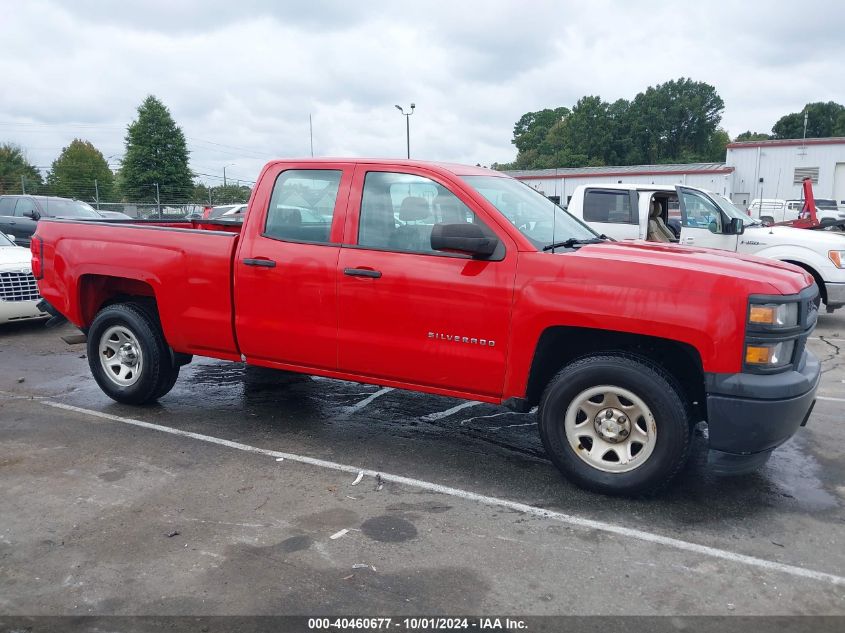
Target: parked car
481 289
631 211
19 214
18 289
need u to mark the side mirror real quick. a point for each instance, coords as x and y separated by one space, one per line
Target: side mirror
713 227
11 237
462 238
737 226
32 215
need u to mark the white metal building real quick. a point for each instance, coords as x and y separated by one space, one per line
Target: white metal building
775 169
752 169
560 183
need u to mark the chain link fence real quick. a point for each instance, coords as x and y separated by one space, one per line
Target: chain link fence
153 211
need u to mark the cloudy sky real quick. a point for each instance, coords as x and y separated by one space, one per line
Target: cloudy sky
241 78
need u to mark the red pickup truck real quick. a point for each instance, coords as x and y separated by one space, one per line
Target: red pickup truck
458 281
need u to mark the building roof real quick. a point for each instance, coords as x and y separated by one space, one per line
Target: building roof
784 142
622 170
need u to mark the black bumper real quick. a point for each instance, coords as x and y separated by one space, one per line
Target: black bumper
749 415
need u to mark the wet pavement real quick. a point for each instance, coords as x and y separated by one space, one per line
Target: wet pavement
88 503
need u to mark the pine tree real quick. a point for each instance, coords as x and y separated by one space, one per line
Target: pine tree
156 153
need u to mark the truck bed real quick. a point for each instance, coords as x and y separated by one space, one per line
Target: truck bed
186 267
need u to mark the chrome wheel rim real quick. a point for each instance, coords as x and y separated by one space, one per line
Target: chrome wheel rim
610 428
120 356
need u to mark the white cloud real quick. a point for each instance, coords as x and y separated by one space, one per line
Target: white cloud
242 78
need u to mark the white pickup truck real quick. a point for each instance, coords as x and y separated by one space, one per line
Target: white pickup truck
641 212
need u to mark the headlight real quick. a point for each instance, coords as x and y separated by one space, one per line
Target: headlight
837 257
769 355
778 315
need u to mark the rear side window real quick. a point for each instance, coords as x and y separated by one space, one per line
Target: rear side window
7 206
302 205
613 207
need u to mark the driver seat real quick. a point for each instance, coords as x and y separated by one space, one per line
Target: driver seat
657 229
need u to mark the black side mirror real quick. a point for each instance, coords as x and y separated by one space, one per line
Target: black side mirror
32 215
737 226
462 238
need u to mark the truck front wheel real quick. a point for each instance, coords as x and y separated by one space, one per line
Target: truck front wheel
128 355
615 424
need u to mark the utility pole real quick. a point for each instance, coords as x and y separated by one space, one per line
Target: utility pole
311 133
407 126
158 202
224 172
96 194
23 185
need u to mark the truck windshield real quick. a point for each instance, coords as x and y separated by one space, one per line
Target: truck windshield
5 241
537 218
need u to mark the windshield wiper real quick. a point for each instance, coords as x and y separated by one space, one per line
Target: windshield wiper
573 242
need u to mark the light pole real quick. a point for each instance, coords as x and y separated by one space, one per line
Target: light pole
407 116
224 172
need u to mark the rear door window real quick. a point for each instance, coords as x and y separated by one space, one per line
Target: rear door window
610 206
7 206
302 205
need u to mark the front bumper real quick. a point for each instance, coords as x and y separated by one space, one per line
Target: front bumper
835 293
20 311
749 415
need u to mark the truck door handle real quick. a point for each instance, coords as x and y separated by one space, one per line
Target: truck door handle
265 263
690 240
362 272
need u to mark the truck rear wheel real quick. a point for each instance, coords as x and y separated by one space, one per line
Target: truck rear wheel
128 356
615 424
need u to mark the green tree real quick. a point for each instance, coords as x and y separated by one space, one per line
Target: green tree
671 122
531 131
229 194
823 120
156 154
674 121
77 169
13 167
753 136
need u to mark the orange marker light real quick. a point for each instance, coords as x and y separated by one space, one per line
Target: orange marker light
758 354
762 314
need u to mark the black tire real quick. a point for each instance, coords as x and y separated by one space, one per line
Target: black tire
156 374
653 386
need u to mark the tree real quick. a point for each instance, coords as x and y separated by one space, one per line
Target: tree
156 154
823 120
671 122
228 194
13 167
753 136
674 121
77 169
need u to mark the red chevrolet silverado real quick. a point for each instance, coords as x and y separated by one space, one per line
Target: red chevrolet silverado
458 281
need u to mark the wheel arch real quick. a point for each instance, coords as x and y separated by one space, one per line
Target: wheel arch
560 345
98 291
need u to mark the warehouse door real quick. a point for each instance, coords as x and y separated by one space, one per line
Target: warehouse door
839 185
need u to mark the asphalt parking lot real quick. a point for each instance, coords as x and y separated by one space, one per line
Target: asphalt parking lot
240 493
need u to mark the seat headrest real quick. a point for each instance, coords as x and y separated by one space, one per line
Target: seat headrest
656 210
414 209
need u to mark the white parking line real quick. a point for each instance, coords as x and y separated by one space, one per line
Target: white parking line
831 398
448 412
569 519
360 405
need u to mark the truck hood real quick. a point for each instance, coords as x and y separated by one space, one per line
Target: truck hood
15 256
821 241
781 277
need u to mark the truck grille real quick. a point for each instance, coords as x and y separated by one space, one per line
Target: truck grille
18 287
